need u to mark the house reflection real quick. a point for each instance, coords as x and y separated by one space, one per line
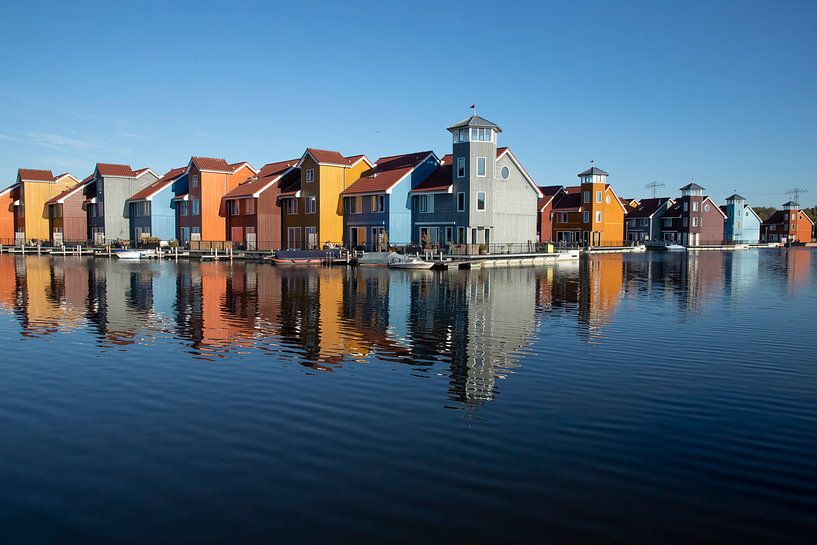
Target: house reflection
798 265
602 281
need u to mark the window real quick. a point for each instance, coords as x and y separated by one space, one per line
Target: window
562 217
706 208
480 200
291 206
461 235
352 205
183 208
195 207
586 196
695 206
598 216
378 203
250 206
460 167
146 208
474 134
310 175
686 222
194 180
598 196
695 221
425 204
586 217
460 202
608 200
449 234
505 173
667 222
311 205
463 134
644 222
686 206
481 167
235 209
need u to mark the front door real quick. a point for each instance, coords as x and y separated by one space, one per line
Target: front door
294 238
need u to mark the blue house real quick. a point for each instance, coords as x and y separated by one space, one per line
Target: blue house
377 206
742 223
152 211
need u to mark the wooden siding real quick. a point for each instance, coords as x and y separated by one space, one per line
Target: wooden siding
34 196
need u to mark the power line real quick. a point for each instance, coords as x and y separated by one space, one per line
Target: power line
795 193
654 186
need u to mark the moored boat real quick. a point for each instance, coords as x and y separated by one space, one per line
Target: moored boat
306 257
410 263
128 254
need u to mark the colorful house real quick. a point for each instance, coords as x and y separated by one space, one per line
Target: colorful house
544 218
488 201
7 197
788 225
742 223
643 223
152 211
68 220
199 218
591 213
106 200
253 210
312 209
34 189
693 219
377 206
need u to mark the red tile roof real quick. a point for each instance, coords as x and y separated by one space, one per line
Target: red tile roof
169 177
211 163
500 151
440 179
141 171
67 192
333 157
108 169
35 175
387 172
269 174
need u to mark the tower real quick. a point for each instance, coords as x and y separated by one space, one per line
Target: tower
593 184
735 204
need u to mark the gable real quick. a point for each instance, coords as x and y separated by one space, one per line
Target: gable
506 153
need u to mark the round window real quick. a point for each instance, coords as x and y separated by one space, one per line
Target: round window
608 199
706 208
505 172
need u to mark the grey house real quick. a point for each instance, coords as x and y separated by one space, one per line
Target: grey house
480 194
643 222
106 199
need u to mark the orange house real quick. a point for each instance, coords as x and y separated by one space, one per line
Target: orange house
199 217
7 215
591 213
312 209
34 189
788 225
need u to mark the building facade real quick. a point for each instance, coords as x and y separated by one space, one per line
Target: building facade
377 206
787 225
544 217
7 198
106 200
590 214
34 189
253 209
643 223
742 224
693 219
68 220
152 211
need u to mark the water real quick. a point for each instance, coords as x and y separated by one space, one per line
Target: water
627 399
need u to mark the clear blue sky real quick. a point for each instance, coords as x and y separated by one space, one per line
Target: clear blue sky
722 92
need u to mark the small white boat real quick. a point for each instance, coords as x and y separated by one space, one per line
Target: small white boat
674 248
410 263
128 254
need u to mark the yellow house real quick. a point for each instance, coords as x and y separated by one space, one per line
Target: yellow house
312 211
34 189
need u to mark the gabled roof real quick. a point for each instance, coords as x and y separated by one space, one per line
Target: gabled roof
593 171
34 175
263 180
440 180
8 189
217 164
388 172
66 175
290 187
111 169
474 121
59 199
569 200
507 151
792 204
648 207
692 187
330 157
142 171
780 217
549 192
150 191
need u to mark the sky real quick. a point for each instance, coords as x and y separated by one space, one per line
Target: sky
722 93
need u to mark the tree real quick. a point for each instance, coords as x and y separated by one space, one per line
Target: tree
811 212
764 211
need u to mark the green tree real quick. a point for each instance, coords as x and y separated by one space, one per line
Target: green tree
764 211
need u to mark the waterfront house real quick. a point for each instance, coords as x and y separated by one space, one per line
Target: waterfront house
253 210
68 220
693 219
591 213
199 219
643 223
106 199
488 202
742 224
377 206
544 207
34 189
7 197
788 225
312 208
152 211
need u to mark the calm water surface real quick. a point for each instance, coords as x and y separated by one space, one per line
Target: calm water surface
626 399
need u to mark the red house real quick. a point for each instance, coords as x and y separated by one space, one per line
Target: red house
788 225
694 219
544 215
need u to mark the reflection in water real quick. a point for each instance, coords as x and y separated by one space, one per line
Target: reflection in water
477 323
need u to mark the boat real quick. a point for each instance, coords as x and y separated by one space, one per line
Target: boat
306 257
674 248
410 263
128 254
377 258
